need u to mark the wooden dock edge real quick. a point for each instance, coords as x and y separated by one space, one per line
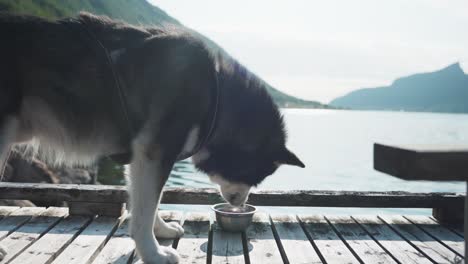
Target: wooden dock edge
447 207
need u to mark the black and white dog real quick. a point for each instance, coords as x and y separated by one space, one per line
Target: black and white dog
76 89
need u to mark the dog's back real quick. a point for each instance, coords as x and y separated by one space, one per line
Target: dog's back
55 83
57 79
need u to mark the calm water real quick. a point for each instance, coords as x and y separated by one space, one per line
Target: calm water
337 148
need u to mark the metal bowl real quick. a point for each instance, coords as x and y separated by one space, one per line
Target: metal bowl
233 218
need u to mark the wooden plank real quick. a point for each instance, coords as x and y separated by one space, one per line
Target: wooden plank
227 247
390 240
306 198
6 210
457 229
193 246
53 242
297 247
24 236
436 163
449 215
117 194
361 243
88 242
119 249
168 216
425 243
450 239
327 241
93 208
260 237
63 192
17 218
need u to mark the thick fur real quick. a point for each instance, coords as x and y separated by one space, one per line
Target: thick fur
58 96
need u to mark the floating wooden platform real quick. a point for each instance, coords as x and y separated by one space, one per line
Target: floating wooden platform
49 235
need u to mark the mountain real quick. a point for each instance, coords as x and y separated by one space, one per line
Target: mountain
445 90
132 11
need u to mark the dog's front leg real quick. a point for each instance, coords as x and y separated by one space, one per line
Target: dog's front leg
148 175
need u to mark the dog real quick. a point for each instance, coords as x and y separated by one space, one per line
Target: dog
73 90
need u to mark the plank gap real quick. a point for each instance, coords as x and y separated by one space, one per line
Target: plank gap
344 240
376 241
406 239
209 252
311 240
41 234
435 237
61 249
18 218
435 250
101 246
245 246
175 243
455 230
278 242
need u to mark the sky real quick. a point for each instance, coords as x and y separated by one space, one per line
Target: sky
322 49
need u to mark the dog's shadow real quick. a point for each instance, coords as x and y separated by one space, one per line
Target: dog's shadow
226 250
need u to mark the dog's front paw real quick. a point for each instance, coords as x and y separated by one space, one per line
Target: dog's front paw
2 252
166 255
169 230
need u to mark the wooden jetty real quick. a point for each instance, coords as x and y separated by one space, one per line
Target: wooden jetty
94 228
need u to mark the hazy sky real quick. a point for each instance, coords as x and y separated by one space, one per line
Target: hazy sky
322 49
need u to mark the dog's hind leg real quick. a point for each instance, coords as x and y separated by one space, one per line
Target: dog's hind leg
148 174
8 130
167 230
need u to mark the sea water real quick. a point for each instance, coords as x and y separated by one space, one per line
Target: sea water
337 148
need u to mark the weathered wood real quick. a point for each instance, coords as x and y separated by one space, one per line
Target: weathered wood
53 242
327 241
361 243
63 192
439 232
436 163
17 218
425 243
30 231
92 208
119 249
457 228
332 239
296 246
260 237
391 241
6 210
227 247
449 215
321 198
89 242
117 194
193 246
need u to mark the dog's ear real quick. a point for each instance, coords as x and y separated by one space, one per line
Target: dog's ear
289 158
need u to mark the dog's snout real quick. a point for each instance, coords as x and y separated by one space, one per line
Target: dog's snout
233 197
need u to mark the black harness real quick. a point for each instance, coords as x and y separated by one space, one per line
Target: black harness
119 85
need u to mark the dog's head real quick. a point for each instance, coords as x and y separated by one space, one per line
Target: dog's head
250 139
236 171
